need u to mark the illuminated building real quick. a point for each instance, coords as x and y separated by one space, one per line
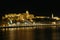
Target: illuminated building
16 19
57 18
21 17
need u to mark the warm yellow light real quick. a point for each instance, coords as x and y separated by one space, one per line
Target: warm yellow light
27 12
53 22
40 17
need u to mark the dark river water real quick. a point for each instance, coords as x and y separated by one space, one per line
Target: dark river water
31 33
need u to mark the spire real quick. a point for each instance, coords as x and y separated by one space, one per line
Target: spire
27 12
52 15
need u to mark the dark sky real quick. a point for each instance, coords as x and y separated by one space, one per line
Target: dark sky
37 7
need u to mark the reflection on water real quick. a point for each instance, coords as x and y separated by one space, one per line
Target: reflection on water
31 33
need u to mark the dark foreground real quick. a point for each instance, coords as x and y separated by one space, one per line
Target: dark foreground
30 33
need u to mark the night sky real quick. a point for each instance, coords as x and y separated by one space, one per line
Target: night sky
36 7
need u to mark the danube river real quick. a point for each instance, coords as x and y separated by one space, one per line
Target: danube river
37 32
